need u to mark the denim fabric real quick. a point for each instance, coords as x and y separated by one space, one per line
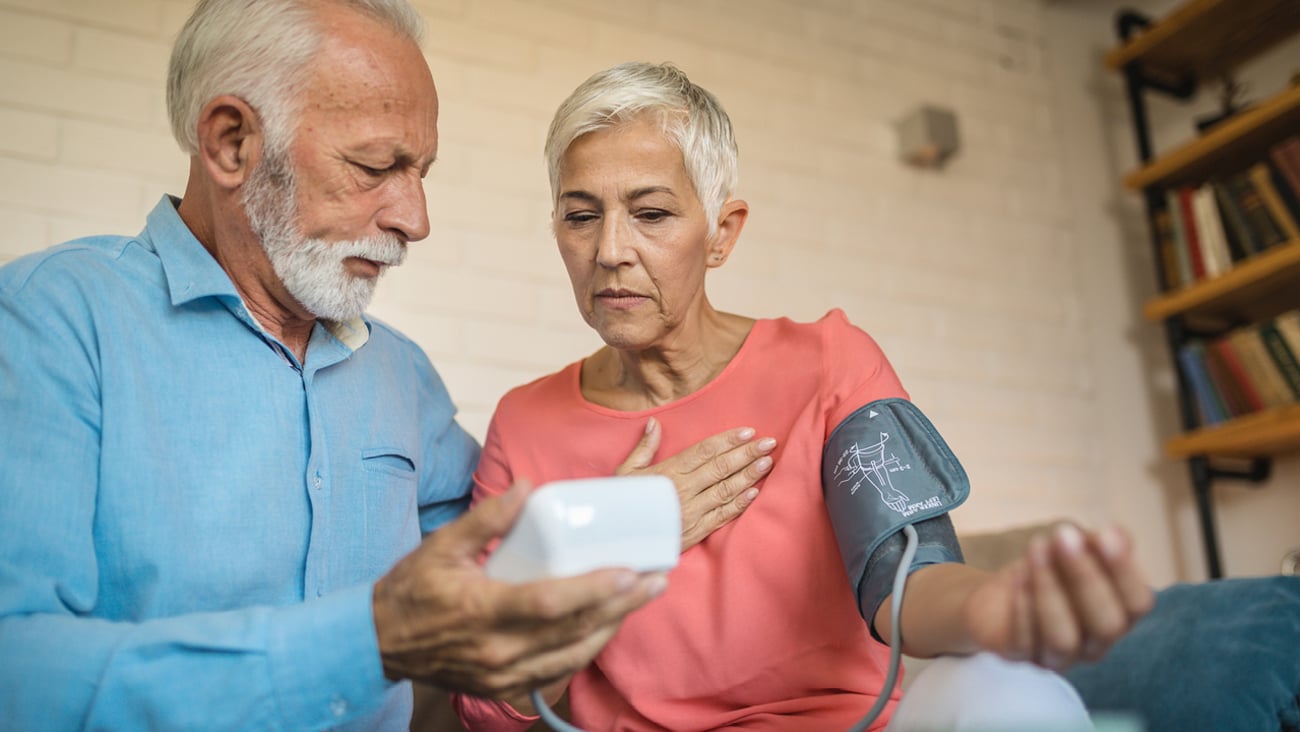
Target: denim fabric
1221 656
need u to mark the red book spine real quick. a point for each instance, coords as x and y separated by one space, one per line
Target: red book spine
1237 372
1189 230
1286 158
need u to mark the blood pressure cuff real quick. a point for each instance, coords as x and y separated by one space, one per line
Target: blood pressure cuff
883 467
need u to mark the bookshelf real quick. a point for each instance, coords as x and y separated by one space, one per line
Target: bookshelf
1239 141
1199 41
1257 288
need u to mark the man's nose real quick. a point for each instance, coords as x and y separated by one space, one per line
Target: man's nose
406 213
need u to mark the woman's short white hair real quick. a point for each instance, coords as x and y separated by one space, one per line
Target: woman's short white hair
690 116
259 51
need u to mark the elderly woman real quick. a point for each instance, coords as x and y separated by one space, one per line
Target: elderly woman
759 627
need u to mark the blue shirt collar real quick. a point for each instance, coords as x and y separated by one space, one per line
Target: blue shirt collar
189 269
192 273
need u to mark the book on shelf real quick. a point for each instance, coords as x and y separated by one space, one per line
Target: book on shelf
1191 238
1264 229
1170 278
1206 229
1247 370
1182 255
1209 229
1282 354
1241 242
1209 406
1285 165
1225 382
1284 157
1240 385
1260 368
1288 325
1240 239
1262 177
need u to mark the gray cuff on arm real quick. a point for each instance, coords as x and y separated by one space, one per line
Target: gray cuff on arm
937 545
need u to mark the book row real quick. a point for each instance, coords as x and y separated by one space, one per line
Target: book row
1249 369
1206 230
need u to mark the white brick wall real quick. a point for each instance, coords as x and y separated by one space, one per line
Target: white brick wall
969 278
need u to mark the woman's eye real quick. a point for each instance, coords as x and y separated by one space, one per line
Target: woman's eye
579 217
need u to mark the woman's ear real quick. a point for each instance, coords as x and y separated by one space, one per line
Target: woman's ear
230 140
731 219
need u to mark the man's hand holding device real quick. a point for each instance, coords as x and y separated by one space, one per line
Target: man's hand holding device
442 620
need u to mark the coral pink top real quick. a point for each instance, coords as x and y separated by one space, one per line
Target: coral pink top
758 627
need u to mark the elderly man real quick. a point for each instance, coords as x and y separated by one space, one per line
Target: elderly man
217 473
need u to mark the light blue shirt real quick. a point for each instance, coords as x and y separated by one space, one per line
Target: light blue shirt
190 521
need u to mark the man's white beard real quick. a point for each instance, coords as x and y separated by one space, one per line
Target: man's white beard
312 269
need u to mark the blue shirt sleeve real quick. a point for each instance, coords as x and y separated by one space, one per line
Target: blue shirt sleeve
451 454
256 668
63 668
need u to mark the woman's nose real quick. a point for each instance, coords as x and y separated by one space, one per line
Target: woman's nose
614 247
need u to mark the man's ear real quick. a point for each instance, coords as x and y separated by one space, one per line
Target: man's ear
731 220
231 138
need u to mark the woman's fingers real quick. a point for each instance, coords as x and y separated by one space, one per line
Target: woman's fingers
644 450
716 458
728 497
709 503
702 465
1087 594
1058 632
715 477
1115 548
1099 612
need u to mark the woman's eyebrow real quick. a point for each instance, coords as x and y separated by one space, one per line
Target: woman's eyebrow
635 193
640 192
583 196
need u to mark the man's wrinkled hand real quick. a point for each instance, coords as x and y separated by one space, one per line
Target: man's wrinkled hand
439 619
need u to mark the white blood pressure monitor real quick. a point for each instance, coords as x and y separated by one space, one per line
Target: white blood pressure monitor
569 527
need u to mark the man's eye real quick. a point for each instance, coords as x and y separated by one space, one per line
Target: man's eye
580 217
653 215
372 172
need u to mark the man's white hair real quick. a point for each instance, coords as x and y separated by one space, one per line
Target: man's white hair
259 51
690 116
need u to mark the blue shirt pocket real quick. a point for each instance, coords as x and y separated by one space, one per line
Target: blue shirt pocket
388 460
391 507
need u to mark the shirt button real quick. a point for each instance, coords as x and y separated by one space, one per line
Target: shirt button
338 706
316 481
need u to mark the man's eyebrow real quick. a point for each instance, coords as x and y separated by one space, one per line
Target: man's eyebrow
424 169
406 159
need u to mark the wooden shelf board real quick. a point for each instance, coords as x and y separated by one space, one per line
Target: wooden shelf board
1229 147
1273 432
1259 287
1202 39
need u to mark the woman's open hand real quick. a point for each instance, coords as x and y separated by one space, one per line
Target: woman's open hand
1068 599
715 477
